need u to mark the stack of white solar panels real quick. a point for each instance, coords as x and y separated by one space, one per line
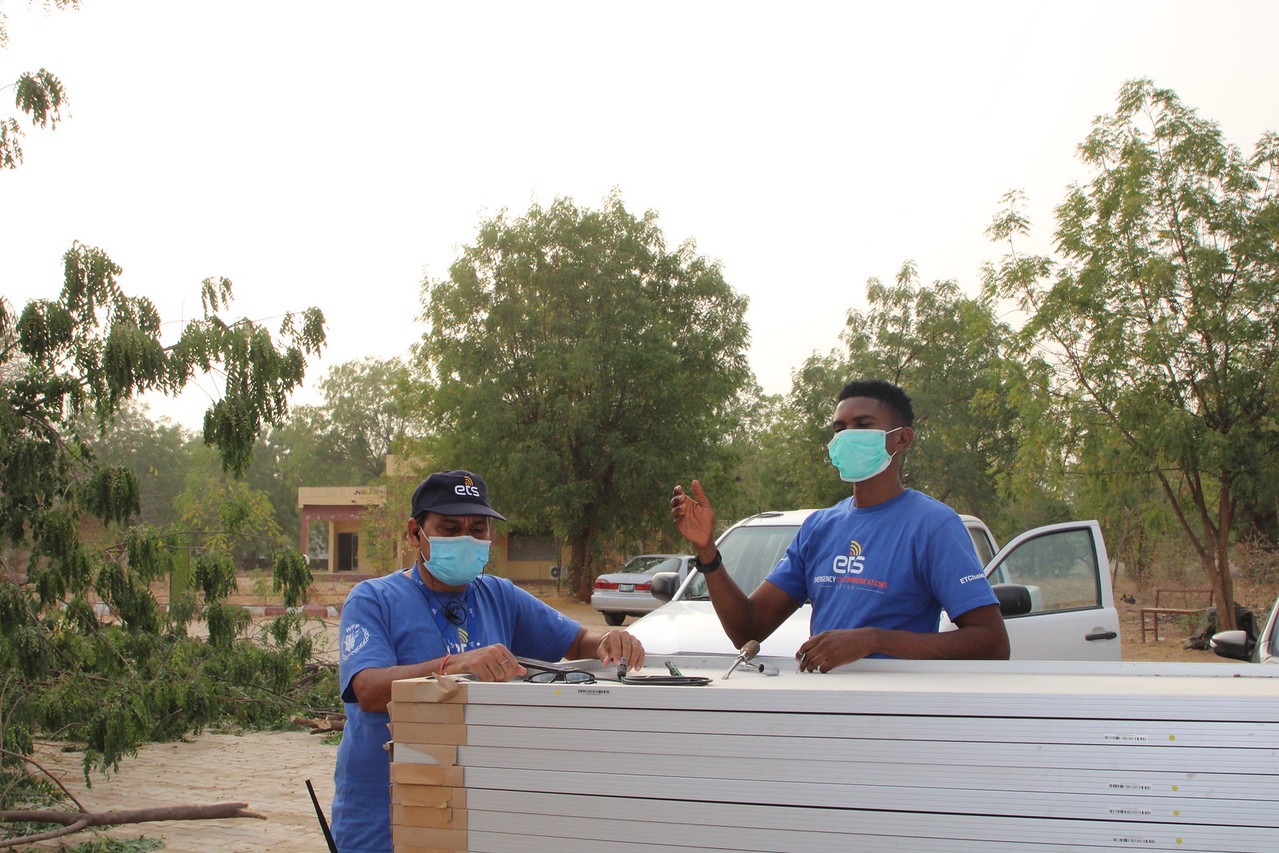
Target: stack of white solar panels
884 755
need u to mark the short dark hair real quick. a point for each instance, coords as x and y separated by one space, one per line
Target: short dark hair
886 393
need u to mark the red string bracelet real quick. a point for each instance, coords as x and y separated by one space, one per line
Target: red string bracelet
443 663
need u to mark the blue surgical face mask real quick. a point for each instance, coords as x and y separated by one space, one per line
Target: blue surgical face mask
456 560
859 454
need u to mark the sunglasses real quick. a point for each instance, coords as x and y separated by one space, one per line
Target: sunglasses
547 675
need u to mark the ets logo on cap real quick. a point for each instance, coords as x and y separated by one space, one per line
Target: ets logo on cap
467 488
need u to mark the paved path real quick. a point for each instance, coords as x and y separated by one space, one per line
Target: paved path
267 770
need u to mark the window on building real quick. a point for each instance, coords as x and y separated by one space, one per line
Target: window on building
317 545
524 548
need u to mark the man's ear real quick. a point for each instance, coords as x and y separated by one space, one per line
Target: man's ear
412 531
905 437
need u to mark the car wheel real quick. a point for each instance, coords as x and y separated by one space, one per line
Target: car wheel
614 619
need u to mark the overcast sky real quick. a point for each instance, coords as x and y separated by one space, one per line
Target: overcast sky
335 154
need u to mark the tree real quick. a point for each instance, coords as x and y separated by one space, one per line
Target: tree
951 354
157 453
226 515
583 368
757 477
366 415
76 361
1160 320
38 94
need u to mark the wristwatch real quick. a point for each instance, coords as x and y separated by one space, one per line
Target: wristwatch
707 568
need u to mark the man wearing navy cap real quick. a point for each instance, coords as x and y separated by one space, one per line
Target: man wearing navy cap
442 615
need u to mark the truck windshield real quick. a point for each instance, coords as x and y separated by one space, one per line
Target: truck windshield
749 554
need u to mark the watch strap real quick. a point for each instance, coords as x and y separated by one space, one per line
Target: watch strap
707 568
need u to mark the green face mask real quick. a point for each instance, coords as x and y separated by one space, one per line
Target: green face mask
859 454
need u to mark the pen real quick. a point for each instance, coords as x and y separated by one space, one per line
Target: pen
674 670
800 668
621 669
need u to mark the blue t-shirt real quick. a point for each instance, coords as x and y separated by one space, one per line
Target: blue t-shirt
392 621
895 565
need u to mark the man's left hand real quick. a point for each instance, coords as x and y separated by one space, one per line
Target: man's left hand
616 645
830 649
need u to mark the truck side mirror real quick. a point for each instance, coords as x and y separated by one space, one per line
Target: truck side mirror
1014 599
1231 644
664 585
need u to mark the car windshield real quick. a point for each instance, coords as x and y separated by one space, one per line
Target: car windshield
749 554
650 563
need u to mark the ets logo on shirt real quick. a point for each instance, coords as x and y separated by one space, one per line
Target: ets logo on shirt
853 563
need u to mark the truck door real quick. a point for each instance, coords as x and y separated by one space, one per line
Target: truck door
1073 614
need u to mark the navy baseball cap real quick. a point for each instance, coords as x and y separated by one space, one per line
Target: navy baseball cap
453 493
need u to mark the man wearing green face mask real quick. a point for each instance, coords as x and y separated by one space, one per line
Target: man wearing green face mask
440 616
879 567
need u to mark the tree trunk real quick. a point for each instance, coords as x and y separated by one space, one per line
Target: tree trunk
582 579
1223 584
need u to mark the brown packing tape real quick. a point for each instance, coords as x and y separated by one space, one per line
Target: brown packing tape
431 796
425 712
446 688
421 836
402 815
426 774
419 733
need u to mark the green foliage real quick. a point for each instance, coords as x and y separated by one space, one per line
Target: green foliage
365 415
10 148
949 352
215 575
106 844
67 369
38 94
1157 326
382 527
227 515
292 576
111 493
70 368
583 368
370 409
154 452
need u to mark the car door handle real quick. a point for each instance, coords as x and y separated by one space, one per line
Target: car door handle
1101 635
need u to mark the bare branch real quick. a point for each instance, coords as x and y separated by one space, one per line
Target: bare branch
54 779
76 821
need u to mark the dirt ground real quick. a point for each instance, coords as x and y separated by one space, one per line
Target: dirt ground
268 770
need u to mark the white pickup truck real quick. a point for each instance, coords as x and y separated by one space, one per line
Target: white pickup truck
1053 583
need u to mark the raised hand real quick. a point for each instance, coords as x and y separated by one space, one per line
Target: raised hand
694 516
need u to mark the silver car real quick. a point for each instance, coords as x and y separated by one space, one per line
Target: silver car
625 592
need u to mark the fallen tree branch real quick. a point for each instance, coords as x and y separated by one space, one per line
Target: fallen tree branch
76 821
70 796
322 725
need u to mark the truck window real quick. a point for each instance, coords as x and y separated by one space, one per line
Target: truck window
749 554
981 544
1061 568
